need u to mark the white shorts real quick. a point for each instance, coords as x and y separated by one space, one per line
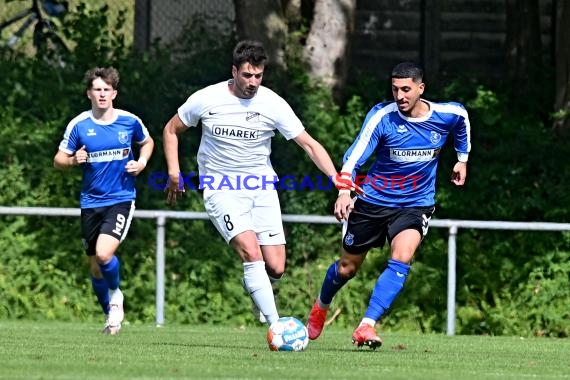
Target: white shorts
236 211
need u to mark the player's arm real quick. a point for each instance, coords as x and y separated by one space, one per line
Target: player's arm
63 160
366 143
462 143
318 154
173 128
459 173
147 147
136 167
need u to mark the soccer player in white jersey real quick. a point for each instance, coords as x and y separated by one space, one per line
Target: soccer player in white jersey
100 141
406 136
239 117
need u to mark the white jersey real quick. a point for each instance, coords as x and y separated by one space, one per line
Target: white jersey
236 133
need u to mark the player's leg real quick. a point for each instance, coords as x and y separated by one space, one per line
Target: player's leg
230 212
116 224
387 287
266 215
91 221
363 232
274 257
255 278
109 266
405 233
337 275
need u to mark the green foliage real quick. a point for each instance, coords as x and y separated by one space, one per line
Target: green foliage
509 282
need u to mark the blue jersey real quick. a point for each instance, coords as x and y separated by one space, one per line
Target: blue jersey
109 147
407 152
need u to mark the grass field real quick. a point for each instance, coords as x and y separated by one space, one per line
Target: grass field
53 350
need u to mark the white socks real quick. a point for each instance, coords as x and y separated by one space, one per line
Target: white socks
367 321
257 283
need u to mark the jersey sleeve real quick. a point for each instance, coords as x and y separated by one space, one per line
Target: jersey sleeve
70 142
462 135
140 133
191 111
365 144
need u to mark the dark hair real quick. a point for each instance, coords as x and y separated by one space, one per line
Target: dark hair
252 52
408 70
109 75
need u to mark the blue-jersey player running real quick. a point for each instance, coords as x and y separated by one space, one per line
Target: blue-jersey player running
406 136
100 141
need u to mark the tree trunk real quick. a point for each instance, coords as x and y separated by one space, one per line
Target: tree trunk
263 21
562 57
292 10
328 43
524 49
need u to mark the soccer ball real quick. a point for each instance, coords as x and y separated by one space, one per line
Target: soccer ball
287 334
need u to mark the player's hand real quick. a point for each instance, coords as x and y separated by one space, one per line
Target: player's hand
80 156
134 167
343 206
343 181
174 190
459 173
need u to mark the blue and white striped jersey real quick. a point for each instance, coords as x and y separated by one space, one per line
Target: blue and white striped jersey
109 148
407 152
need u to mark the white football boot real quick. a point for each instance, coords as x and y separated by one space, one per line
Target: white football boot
116 313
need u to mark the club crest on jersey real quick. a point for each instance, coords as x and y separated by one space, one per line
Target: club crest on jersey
123 137
349 239
252 117
434 137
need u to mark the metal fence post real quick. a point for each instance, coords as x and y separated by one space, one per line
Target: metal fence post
451 279
160 260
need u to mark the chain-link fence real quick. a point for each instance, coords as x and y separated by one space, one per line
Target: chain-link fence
18 15
147 20
166 19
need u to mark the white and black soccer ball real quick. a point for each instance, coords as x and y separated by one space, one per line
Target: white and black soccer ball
287 334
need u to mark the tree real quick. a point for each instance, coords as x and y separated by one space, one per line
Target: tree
327 48
562 63
328 43
523 46
263 21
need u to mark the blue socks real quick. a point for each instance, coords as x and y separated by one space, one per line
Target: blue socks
331 284
102 292
387 288
110 273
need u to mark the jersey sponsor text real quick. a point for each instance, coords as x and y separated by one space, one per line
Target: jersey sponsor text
235 132
413 155
108 155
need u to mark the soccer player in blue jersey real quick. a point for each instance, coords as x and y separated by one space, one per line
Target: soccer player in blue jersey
406 136
100 141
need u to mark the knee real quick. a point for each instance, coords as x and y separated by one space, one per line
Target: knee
275 274
347 269
103 257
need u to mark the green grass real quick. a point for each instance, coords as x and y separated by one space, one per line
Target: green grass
53 350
